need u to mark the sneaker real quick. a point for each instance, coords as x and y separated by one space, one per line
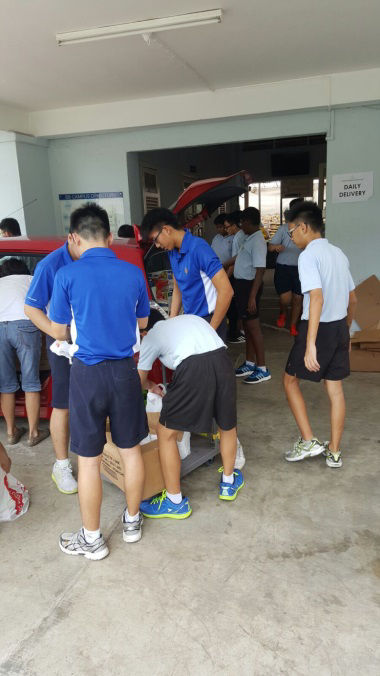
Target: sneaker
293 330
132 530
281 321
230 491
333 459
77 545
304 449
237 339
257 376
64 480
244 370
160 507
240 457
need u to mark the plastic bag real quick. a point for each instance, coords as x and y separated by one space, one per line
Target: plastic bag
14 497
184 445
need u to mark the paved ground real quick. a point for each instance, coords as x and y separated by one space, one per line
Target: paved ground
286 580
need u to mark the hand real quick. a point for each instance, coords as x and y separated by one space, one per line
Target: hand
310 358
280 248
5 461
155 389
252 307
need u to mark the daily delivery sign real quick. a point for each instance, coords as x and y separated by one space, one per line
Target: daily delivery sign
352 187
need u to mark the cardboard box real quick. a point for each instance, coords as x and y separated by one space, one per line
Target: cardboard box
368 307
364 360
112 468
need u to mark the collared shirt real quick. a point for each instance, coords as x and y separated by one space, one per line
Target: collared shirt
106 297
291 253
252 255
238 241
13 289
173 340
194 265
324 266
222 247
41 287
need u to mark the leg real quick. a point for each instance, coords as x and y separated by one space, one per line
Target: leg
134 476
255 341
8 408
338 411
32 403
297 406
228 445
285 301
250 353
296 309
169 458
59 430
90 491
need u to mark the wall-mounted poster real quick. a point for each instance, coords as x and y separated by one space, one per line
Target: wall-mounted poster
352 187
112 202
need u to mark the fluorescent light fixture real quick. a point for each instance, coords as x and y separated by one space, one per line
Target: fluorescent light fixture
140 27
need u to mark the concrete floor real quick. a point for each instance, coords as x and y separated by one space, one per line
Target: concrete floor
286 580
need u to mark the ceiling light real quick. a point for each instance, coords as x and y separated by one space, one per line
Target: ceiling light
140 27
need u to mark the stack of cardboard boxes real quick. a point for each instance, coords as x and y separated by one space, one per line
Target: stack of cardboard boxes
365 344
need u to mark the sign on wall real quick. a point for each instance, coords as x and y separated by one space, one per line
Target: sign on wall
112 202
356 187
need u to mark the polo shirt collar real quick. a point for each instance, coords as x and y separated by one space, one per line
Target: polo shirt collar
98 252
318 239
185 246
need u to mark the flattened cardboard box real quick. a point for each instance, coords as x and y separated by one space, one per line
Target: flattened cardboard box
364 360
112 468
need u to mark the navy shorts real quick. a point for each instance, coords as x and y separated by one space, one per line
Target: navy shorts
111 388
242 288
286 279
333 345
60 372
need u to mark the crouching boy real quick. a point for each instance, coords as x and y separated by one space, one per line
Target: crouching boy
203 388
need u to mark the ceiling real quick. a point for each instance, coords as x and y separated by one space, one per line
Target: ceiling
256 42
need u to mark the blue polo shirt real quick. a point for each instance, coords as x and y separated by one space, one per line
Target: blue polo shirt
106 296
41 286
194 265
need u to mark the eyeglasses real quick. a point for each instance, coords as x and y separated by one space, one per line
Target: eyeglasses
290 232
154 240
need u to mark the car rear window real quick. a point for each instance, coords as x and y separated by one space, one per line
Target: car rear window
29 259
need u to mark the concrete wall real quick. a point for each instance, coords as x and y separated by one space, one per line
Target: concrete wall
35 184
10 187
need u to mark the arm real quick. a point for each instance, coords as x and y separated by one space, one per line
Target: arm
231 261
352 302
143 323
176 300
316 303
147 384
257 282
224 296
276 247
39 318
58 331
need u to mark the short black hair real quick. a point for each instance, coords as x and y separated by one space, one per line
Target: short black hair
219 219
234 217
11 226
252 215
154 317
156 218
308 213
126 231
13 266
90 221
296 200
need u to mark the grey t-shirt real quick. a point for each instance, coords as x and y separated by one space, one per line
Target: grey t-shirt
291 253
252 255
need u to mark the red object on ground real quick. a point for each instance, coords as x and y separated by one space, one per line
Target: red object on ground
281 321
293 330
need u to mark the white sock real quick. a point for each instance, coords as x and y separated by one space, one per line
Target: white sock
228 478
250 363
264 368
174 497
62 463
131 519
91 535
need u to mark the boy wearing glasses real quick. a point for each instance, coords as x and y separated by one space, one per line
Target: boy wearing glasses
321 349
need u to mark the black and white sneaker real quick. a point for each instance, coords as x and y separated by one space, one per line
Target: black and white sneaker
77 545
132 530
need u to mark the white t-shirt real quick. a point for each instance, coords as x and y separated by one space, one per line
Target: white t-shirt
13 291
252 255
173 340
324 266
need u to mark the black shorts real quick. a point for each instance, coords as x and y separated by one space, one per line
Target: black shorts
242 288
60 368
333 343
203 388
286 279
111 389
222 328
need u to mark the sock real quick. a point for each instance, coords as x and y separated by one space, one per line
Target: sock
62 463
250 363
129 518
174 497
91 535
263 368
228 478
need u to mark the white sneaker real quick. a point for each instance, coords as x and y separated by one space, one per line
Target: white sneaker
64 480
304 449
240 457
76 544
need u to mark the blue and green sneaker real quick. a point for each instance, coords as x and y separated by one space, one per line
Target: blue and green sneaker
230 491
161 507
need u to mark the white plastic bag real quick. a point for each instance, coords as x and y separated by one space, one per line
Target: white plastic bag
184 445
153 409
14 497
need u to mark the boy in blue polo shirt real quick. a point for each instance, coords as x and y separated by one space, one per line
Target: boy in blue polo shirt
201 284
107 298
